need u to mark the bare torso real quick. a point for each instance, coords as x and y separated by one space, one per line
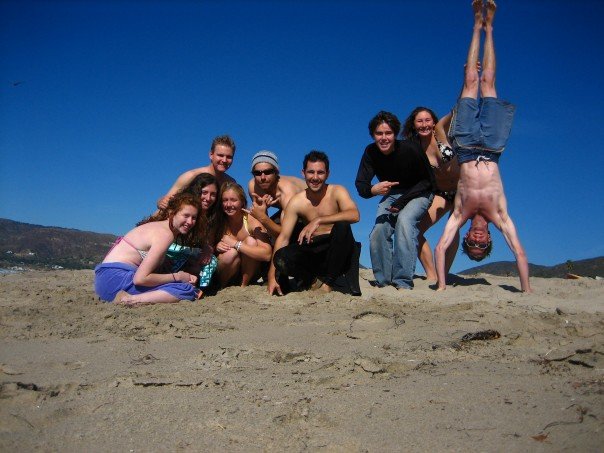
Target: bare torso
480 191
310 210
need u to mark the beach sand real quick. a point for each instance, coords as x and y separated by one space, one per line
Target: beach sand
241 371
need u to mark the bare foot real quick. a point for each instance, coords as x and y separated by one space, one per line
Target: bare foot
129 300
325 288
316 285
478 17
490 16
119 296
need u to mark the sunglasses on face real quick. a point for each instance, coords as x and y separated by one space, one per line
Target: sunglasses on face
476 245
266 172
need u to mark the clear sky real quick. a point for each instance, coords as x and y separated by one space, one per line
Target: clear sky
104 103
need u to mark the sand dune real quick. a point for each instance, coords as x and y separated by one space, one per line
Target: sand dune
242 371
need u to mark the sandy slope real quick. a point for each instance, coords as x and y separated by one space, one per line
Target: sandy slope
245 372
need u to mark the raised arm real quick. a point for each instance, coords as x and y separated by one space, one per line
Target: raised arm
441 128
182 182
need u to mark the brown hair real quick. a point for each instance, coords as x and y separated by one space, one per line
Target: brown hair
196 237
224 140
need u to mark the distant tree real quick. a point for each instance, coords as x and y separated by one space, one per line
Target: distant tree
569 265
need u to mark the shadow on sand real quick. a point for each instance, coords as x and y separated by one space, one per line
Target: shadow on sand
458 280
510 288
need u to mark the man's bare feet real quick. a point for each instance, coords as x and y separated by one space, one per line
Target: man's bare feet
321 286
325 288
491 6
478 16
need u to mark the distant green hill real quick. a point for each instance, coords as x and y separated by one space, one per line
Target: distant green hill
42 247
36 246
591 267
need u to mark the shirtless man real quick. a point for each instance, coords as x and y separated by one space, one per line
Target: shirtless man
478 133
269 189
325 245
221 158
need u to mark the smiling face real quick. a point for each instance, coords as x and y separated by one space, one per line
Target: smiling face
208 196
184 219
315 174
265 175
231 202
221 158
423 123
384 138
477 241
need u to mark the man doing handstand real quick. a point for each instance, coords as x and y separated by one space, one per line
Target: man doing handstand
478 133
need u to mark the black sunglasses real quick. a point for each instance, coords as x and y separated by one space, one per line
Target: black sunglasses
266 172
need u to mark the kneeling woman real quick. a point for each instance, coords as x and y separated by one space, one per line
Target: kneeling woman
131 265
244 244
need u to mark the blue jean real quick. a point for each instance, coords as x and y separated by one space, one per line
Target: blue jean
393 240
481 125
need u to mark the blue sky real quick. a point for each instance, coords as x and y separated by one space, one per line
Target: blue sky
104 103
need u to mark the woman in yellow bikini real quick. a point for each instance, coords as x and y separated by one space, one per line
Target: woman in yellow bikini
244 244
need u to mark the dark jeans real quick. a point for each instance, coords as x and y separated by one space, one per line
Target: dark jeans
327 256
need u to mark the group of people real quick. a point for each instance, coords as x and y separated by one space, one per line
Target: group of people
204 233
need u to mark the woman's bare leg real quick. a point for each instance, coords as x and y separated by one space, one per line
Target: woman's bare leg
437 210
152 297
228 265
487 81
249 266
471 78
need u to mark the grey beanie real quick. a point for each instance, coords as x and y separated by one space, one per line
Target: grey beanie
265 157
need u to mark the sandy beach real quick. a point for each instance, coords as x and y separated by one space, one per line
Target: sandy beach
241 371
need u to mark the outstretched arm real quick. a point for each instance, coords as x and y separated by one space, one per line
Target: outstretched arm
181 182
508 229
453 225
287 227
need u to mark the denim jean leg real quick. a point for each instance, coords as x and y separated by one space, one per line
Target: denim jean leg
405 241
380 243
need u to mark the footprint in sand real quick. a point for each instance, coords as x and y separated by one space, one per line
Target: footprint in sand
371 323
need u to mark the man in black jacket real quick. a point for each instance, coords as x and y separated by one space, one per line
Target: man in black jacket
405 179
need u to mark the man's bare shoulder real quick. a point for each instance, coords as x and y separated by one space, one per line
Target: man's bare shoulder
337 190
291 184
298 200
198 171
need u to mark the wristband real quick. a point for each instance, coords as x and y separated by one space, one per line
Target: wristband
238 246
173 278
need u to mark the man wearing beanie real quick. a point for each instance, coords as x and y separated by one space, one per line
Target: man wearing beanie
268 188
